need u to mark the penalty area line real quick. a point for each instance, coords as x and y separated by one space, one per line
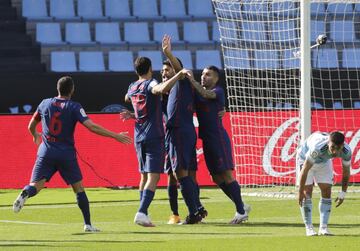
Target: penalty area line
28 222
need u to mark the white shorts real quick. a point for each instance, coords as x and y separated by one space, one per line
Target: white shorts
319 172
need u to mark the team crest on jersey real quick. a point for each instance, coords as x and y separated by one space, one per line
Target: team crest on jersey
314 154
82 112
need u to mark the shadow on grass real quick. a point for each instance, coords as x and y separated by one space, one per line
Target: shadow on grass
194 233
70 241
257 224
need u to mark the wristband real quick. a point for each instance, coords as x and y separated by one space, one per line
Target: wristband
342 195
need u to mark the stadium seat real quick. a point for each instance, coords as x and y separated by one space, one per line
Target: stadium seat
63 10
284 32
185 57
317 28
63 61
338 105
169 28
173 9
316 105
91 61
215 32
49 34
357 104
231 59
122 61
284 9
205 58
201 9
288 106
229 31
35 10
351 58
325 58
342 31
258 9
78 33
90 10
266 59
253 31
317 9
108 33
340 8
357 7
118 10
155 57
197 33
137 33
290 61
146 9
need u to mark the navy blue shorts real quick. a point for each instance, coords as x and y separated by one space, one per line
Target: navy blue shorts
218 155
167 166
46 168
151 155
182 148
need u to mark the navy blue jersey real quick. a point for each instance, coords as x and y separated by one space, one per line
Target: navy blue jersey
58 118
210 125
147 108
180 106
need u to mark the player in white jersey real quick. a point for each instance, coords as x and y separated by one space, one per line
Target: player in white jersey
314 158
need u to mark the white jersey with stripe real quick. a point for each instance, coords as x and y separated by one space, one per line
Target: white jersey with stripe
316 150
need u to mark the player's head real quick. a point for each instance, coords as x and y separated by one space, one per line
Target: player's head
336 143
142 66
167 70
65 86
210 76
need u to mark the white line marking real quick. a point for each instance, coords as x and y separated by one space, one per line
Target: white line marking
27 222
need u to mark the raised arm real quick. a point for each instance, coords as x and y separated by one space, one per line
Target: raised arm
166 86
208 94
166 47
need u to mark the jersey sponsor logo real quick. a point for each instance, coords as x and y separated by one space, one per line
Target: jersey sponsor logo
314 154
83 113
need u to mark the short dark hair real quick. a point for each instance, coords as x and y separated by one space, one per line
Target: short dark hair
142 65
65 85
214 68
337 138
168 63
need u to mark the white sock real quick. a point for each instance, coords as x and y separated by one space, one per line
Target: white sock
324 210
306 212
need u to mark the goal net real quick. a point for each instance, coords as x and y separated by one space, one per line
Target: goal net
260 41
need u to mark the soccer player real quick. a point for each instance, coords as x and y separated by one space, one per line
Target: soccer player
314 160
182 135
216 143
145 96
56 152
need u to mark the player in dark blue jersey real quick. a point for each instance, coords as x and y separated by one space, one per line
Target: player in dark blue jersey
56 152
145 96
216 142
182 135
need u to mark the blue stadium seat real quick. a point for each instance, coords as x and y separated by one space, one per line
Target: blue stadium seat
288 106
197 33
338 105
342 31
137 33
351 58
121 61
78 33
325 58
317 9
316 105
146 9
340 8
231 59
63 61
90 10
173 9
185 57
63 10
290 61
251 8
201 9
108 33
228 31
169 28
118 10
284 9
266 59
317 28
357 7
91 61
35 10
215 32
284 32
357 104
253 31
49 34
205 58
155 57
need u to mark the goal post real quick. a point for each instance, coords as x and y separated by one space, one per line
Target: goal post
280 88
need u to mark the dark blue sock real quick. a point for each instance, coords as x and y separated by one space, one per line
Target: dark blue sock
225 189
235 192
197 196
188 192
83 204
141 194
173 198
147 198
31 190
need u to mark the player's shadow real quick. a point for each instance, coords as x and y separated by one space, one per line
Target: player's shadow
195 233
257 224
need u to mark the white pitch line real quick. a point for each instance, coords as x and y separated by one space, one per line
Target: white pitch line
27 222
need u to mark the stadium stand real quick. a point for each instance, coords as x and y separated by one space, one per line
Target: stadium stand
146 9
173 10
108 33
155 57
201 9
121 61
35 10
63 10
91 61
78 34
325 58
49 34
185 57
118 10
90 10
205 58
63 61
351 58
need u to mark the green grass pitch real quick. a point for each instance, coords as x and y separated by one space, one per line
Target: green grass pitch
52 221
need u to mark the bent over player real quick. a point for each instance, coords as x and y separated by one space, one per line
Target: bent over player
56 152
314 159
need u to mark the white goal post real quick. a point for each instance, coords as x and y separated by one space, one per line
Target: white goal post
281 88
